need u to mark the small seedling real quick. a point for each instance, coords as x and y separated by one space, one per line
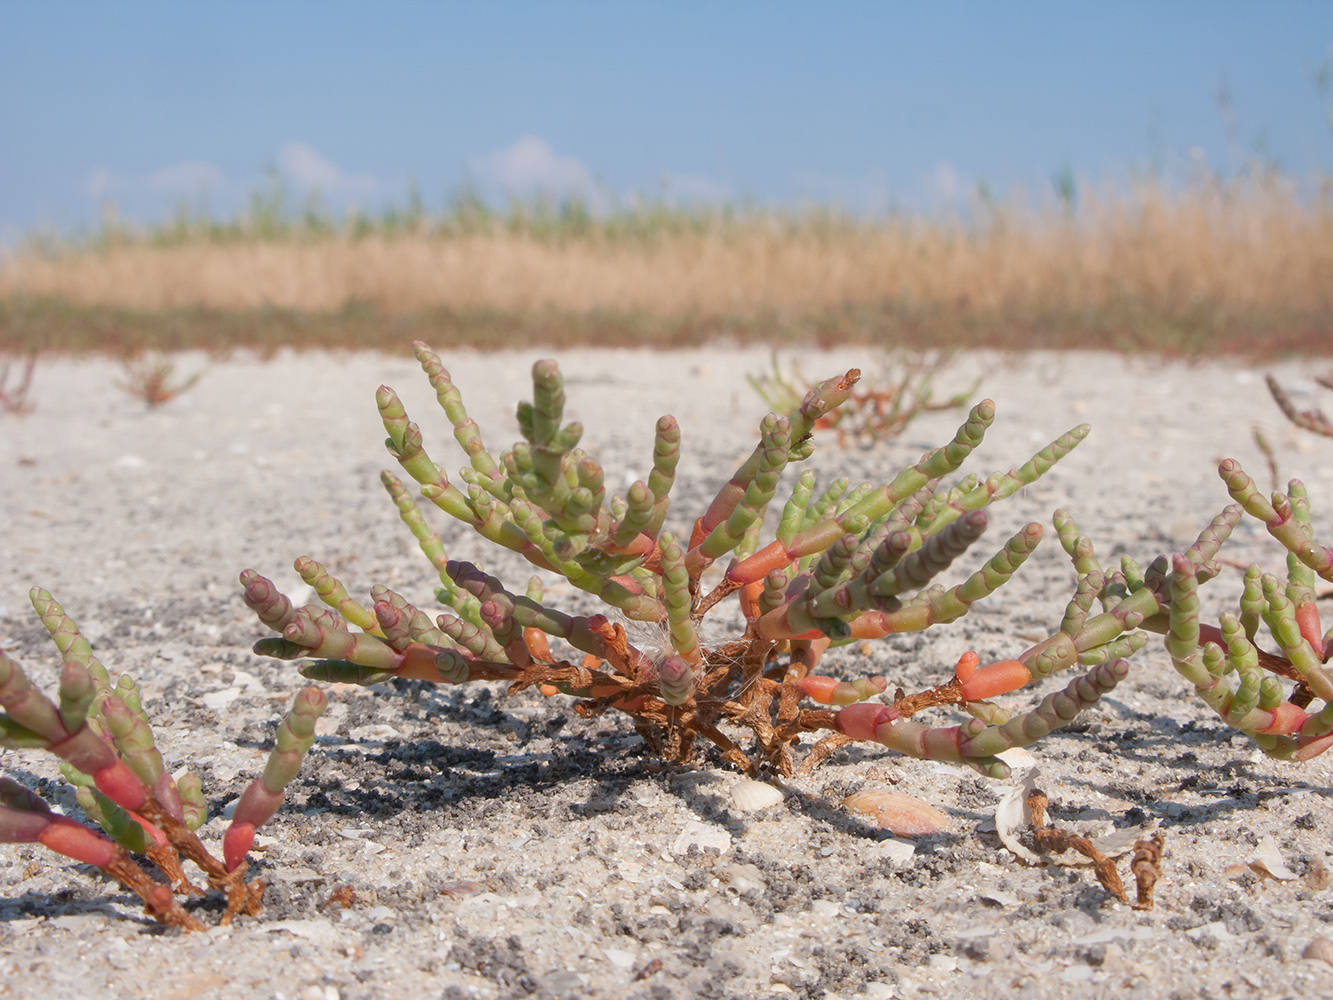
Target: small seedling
14 400
151 379
1310 420
877 409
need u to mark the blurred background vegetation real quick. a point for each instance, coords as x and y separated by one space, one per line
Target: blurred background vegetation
1240 264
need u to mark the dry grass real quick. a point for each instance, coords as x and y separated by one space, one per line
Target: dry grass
1213 261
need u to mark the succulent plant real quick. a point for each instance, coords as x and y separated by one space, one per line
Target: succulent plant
846 565
107 752
1313 420
874 412
1241 682
151 379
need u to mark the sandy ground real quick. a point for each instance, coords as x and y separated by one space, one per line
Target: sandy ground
504 847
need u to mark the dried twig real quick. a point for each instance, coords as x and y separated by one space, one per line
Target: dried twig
1147 868
1056 841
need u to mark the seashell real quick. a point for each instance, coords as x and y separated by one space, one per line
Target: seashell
896 852
1267 858
741 879
900 814
1017 758
702 836
1319 950
461 888
749 795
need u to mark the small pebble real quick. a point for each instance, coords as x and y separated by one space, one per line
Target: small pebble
898 852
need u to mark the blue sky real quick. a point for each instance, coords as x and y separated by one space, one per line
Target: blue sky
871 106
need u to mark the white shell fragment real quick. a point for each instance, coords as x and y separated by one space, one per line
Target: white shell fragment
1018 758
1012 818
741 879
749 795
900 814
896 852
1002 899
702 836
1268 858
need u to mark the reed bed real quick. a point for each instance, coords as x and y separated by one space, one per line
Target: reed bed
1202 265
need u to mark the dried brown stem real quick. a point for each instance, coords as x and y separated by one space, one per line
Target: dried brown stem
822 751
1311 420
169 864
730 751
949 693
1270 458
723 590
1056 841
1147 868
158 900
241 898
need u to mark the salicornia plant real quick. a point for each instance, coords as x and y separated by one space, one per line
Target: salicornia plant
1311 420
14 399
105 744
846 564
877 409
1241 682
151 378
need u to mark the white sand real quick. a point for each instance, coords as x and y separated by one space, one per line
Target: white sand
140 521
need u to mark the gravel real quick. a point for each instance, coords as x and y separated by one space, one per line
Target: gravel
455 842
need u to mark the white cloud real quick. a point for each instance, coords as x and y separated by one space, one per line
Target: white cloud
308 167
943 190
139 197
304 168
945 187
694 188
187 179
98 182
311 170
531 167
